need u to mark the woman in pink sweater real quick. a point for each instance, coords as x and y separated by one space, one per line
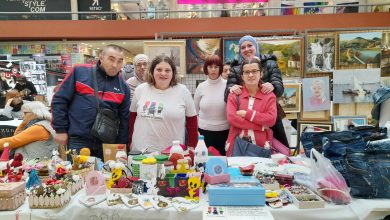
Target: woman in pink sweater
256 111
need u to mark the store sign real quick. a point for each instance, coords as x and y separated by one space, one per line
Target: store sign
216 1
36 6
95 6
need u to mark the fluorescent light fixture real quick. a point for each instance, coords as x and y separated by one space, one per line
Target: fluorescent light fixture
9 65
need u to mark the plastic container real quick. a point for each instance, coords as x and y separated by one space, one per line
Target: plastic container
148 170
121 155
136 165
176 148
201 151
131 155
160 162
168 165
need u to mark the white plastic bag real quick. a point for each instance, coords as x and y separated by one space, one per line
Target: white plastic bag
327 181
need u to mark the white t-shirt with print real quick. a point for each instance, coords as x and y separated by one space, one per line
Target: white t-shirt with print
161 116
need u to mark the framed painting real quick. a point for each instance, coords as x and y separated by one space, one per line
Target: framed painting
288 52
360 50
315 94
230 49
291 98
173 49
197 50
385 56
320 53
355 86
315 7
342 123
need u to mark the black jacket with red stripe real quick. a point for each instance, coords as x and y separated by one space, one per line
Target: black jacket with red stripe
74 103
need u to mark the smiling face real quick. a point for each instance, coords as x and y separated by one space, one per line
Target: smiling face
248 50
162 74
251 74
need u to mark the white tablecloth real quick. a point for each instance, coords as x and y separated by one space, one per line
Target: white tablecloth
14 122
359 209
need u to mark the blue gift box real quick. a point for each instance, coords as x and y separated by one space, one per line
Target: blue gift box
236 194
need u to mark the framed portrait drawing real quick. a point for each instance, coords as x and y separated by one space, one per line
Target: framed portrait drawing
360 50
342 123
230 49
315 94
291 98
197 50
320 53
288 53
173 49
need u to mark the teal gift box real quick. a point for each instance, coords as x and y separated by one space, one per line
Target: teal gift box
236 194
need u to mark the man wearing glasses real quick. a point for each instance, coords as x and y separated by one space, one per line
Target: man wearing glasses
141 62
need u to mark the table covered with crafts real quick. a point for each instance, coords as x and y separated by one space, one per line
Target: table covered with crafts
74 209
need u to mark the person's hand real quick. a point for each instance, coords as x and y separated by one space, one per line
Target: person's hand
267 88
241 113
236 89
61 139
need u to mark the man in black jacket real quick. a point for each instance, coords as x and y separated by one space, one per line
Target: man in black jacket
26 88
272 78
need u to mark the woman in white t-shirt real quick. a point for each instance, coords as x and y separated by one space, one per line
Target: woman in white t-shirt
210 105
162 109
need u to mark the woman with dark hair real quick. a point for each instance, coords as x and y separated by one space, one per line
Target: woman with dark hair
252 113
211 108
162 109
271 78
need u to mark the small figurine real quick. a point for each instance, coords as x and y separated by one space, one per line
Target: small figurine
193 188
116 174
17 161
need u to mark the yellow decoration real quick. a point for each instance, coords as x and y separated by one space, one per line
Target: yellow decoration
150 160
116 174
193 185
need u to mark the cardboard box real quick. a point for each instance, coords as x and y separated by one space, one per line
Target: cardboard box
12 195
109 151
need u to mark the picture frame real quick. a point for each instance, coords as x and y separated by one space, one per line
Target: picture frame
341 123
315 116
359 50
230 49
316 94
197 49
291 98
314 125
289 53
171 48
320 54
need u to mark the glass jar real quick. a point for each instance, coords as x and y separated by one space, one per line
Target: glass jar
132 154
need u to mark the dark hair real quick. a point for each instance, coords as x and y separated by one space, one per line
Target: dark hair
253 60
114 47
213 60
159 59
228 63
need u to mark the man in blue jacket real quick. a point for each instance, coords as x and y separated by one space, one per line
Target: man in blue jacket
74 104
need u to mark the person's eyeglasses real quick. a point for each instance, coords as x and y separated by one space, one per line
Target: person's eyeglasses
142 64
254 72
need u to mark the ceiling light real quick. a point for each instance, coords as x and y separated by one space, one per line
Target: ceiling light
9 65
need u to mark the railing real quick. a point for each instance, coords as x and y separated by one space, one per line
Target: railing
192 13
